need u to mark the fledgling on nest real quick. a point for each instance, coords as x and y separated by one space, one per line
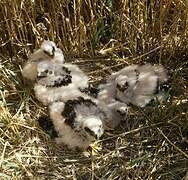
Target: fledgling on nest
47 52
138 85
58 82
78 122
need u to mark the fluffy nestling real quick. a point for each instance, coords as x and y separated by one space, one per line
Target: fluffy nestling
78 122
47 52
134 84
138 85
58 82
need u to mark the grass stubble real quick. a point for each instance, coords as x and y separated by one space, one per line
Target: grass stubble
101 37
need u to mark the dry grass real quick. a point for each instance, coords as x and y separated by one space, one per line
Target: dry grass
107 35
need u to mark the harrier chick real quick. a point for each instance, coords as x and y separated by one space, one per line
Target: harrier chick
78 122
138 85
47 52
58 82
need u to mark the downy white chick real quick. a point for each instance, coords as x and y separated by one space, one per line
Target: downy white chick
78 122
138 85
58 82
47 52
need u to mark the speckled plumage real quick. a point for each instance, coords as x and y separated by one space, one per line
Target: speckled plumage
77 117
58 82
78 122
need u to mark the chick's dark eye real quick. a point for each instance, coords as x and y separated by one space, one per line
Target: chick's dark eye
53 50
118 86
46 71
126 85
89 131
122 87
122 113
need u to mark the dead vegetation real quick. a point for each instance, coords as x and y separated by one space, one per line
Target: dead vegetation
102 37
